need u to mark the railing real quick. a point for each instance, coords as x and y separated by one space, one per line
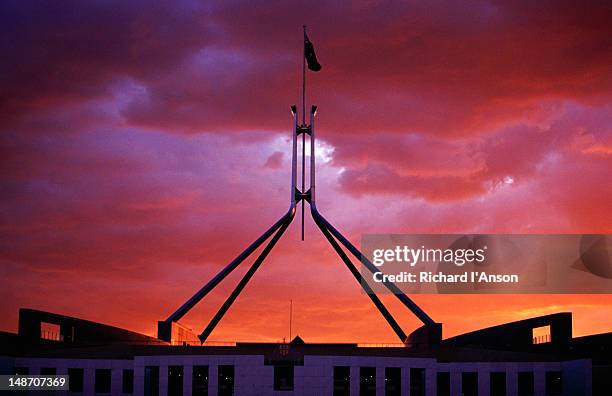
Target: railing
381 345
51 336
220 343
543 339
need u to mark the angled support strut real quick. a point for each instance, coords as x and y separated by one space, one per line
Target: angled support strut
392 287
278 228
200 294
381 308
247 277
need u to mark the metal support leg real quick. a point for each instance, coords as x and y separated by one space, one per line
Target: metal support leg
229 268
381 308
243 282
414 308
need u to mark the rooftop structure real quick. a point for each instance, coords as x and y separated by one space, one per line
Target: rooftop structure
510 359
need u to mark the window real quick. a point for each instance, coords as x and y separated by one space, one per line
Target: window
367 381
554 383
443 383
103 381
151 379
47 371
225 380
22 371
497 383
342 380
199 381
283 378
525 383
541 335
417 382
50 331
75 380
393 381
175 380
127 381
469 383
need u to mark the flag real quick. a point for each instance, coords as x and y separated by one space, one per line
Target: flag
309 54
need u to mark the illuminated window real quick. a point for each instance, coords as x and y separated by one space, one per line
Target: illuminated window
541 335
50 331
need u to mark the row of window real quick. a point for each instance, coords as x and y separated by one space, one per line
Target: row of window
284 381
199 381
102 380
469 382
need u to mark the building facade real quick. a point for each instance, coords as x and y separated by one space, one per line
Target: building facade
498 361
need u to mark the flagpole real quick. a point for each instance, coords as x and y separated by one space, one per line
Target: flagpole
303 123
304 81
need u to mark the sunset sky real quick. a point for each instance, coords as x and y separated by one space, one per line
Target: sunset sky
144 145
